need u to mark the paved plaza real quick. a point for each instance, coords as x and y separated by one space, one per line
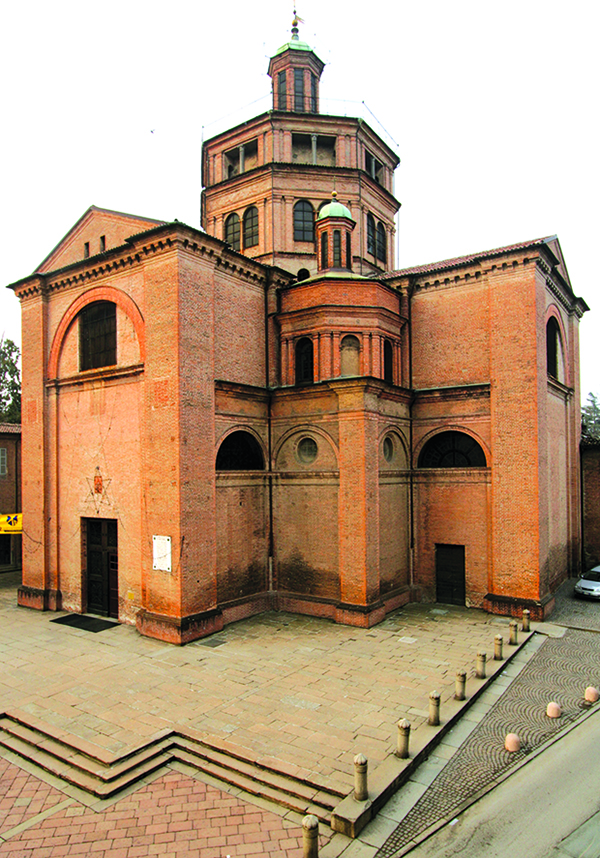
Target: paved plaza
296 693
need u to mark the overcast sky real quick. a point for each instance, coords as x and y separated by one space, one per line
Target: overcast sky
494 109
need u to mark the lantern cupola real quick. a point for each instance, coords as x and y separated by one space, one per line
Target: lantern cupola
296 71
333 233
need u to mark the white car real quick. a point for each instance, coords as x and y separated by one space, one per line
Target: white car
588 584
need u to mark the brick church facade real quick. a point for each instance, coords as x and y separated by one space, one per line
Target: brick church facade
266 415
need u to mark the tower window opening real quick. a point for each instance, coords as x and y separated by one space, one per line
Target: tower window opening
348 251
304 221
313 93
304 361
282 91
299 106
381 243
371 234
388 362
324 251
232 231
374 167
102 243
86 250
251 227
337 248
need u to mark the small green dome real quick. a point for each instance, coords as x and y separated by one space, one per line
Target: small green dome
334 209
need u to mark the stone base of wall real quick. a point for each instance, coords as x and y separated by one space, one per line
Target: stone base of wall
182 630
179 630
39 600
509 606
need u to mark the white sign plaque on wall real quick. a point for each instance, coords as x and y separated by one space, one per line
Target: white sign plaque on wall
161 553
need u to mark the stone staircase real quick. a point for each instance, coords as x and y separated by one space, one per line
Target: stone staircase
103 775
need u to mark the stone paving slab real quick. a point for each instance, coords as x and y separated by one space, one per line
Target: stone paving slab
299 690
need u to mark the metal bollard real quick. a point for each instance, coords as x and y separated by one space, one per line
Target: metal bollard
498 648
310 837
434 709
480 669
403 739
526 619
459 684
361 764
514 633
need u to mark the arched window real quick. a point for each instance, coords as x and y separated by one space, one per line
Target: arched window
304 361
251 227
552 348
337 248
324 251
371 234
381 243
350 355
304 221
98 335
452 450
303 274
240 451
388 362
232 231
348 251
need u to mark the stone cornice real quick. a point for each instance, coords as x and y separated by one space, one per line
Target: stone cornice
460 391
139 248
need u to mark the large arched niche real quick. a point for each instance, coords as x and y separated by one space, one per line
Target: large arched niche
242 515
131 348
240 450
306 448
393 451
452 448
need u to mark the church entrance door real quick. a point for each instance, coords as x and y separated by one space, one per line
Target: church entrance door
102 567
450 574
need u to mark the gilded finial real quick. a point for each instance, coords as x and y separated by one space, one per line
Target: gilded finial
297 20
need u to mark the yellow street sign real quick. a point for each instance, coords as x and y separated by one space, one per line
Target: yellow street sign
11 523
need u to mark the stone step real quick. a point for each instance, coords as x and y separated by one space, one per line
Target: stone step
67 753
254 787
103 775
299 788
90 782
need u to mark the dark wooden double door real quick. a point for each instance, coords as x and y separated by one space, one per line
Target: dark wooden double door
102 565
450 574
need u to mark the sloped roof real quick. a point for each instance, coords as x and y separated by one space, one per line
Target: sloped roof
10 428
457 261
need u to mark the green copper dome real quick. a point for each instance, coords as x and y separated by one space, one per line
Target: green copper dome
295 44
334 209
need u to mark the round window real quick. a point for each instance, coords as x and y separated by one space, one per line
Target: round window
307 450
388 449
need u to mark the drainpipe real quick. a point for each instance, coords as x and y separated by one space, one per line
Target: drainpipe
410 432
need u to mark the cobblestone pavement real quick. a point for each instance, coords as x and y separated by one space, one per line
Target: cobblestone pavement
560 670
298 690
